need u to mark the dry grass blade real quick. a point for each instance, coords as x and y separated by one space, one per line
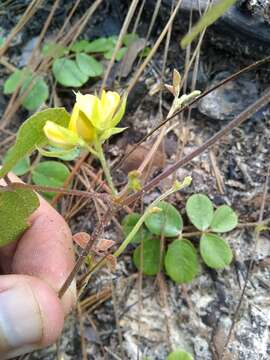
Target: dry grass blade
223 82
252 109
30 11
154 49
123 31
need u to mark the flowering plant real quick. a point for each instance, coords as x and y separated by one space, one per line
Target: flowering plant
93 121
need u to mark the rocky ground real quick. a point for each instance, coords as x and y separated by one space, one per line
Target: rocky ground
162 315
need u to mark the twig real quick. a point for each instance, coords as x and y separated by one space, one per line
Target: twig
243 116
223 82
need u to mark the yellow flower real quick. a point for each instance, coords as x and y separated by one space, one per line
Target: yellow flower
60 136
80 124
93 120
103 113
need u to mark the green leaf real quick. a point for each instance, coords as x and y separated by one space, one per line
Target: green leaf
151 257
38 94
22 167
109 132
207 19
15 208
167 222
101 45
179 355
66 155
128 224
181 261
225 219
2 40
200 211
216 253
79 46
67 73
128 39
119 56
54 50
50 173
15 79
31 135
89 65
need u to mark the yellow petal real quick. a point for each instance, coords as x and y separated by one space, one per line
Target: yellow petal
60 137
87 104
81 125
120 112
109 102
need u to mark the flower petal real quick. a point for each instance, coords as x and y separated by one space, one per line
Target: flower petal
61 137
120 112
109 102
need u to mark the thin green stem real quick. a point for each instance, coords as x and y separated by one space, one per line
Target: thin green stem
147 212
102 159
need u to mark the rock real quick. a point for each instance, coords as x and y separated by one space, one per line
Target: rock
27 51
230 99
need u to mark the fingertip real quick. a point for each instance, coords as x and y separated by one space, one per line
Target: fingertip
31 315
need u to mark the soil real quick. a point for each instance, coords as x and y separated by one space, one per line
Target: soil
162 315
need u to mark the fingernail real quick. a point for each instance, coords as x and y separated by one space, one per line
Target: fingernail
20 319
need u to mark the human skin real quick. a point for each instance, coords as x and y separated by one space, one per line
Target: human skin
32 270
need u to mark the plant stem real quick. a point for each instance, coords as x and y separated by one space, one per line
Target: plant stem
102 159
147 212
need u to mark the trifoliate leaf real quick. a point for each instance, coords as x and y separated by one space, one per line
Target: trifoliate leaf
50 173
181 261
200 211
151 257
225 219
67 73
89 65
15 208
101 45
19 77
167 222
37 95
215 252
128 224
79 46
31 135
54 50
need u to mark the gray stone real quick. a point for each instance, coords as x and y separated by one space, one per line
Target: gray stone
229 100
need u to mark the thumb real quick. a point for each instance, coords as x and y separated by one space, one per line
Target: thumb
31 315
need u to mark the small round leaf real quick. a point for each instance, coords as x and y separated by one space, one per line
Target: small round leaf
216 253
151 257
22 167
225 219
101 45
67 73
89 65
50 173
167 222
200 211
37 95
79 46
128 224
179 355
19 77
181 261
